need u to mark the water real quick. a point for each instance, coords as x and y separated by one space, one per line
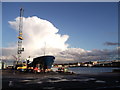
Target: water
91 70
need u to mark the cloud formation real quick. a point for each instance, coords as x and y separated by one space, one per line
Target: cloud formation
73 54
40 35
111 43
81 55
7 53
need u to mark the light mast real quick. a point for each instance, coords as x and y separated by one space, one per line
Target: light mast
20 38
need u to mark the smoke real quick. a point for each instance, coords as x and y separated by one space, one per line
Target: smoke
40 36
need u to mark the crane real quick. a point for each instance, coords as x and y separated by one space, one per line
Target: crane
20 36
14 57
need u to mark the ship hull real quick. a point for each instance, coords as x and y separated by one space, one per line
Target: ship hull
43 62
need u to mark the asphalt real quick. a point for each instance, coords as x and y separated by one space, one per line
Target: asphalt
59 81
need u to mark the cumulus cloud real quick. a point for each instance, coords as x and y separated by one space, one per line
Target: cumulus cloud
40 35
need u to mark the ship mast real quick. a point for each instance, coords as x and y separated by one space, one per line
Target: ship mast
20 38
44 48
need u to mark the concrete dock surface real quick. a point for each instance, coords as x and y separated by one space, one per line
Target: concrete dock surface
59 81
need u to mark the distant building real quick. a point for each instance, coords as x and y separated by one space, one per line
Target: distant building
95 62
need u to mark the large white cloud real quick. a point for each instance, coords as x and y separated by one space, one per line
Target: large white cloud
40 35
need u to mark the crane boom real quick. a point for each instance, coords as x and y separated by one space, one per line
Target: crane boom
20 37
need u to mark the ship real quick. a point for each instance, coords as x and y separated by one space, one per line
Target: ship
43 63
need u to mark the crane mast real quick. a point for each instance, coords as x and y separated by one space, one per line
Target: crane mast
20 36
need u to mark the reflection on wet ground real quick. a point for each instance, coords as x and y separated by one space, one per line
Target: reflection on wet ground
60 82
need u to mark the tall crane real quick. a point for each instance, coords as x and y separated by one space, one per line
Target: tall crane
20 36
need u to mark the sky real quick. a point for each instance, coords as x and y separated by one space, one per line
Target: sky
84 26
60 0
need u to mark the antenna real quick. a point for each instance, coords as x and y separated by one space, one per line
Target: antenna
20 38
44 48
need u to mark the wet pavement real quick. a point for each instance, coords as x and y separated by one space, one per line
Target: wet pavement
60 81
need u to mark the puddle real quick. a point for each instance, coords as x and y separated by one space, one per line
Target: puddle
57 80
110 87
39 82
24 81
49 88
100 81
117 81
88 79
